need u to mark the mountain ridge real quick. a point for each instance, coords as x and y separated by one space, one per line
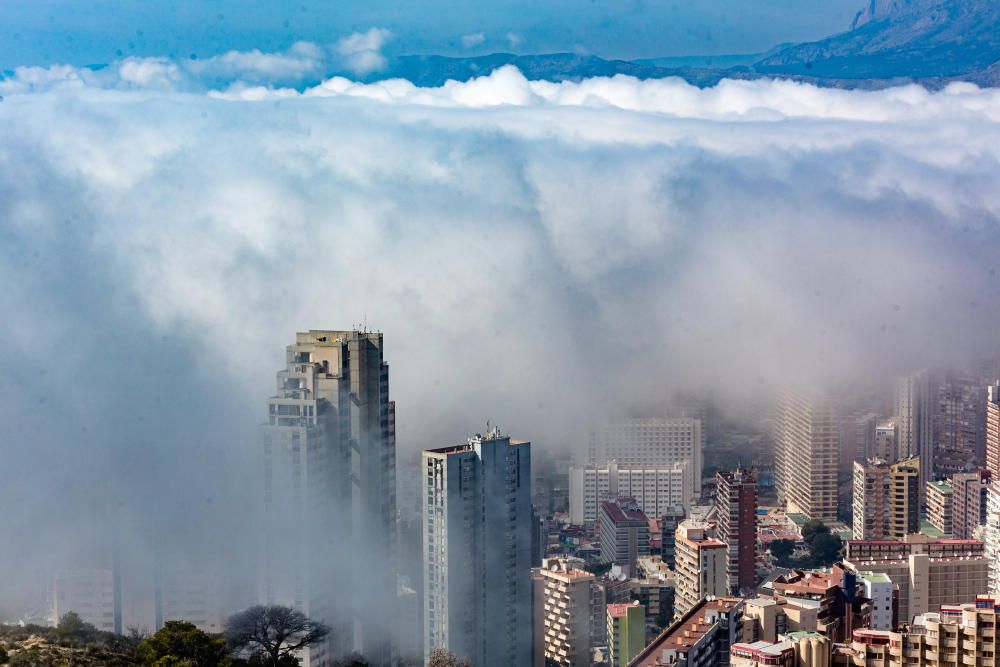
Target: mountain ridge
889 43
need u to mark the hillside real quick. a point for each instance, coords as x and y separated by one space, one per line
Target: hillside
918 39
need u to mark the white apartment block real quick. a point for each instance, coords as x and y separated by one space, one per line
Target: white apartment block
652 441
654 488
88 593
477 550
701 564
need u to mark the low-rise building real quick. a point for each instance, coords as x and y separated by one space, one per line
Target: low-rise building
797 649
701 637
926 573
624 533
956 635
626 632
940 505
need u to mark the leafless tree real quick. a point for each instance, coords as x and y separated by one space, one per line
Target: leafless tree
274 633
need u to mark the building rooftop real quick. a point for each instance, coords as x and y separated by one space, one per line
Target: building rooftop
621 609
875 577
686 631
806 582
620 512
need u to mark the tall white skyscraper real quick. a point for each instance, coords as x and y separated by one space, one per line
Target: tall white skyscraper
330 491
806 455
477 550
652 441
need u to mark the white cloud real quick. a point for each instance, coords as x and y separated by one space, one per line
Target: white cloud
301 60
362 51
473 39
536 253
607 238
149 72
515 40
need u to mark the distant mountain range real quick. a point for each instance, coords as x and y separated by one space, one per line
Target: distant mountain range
932 42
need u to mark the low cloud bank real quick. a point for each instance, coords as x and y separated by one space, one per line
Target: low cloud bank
537 254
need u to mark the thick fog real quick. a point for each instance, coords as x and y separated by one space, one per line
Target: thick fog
537 254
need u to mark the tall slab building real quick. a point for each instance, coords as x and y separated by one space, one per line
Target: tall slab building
330 491
806 455
915 420
477 550
736 517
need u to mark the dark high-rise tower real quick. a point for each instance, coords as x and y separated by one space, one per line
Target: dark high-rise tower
736 514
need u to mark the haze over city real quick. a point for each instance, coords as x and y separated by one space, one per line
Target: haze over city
603 222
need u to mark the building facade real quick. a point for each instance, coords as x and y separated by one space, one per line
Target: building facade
941 506
736 525
904 497
806 456
626 632
567 616
914 418
701 560
90 593
870 516
655 488
963 634
969 496
700 637
652 441
927 573
624 534
477 550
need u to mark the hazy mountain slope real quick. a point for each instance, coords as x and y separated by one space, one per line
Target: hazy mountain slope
901 38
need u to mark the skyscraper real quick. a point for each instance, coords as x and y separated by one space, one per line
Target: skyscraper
957 426
806 456
736 517
477 550
871 500
993 430
329 484
992 530
914 417
904 498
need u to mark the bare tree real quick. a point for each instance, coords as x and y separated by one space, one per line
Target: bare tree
443 658
274 633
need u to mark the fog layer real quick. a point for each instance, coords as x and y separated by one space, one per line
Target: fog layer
537 254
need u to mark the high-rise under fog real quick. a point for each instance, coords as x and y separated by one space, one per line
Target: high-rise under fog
477 550
330 491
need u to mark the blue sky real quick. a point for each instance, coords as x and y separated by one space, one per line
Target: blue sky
44 32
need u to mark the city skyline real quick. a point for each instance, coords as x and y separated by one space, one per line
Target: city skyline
528 334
